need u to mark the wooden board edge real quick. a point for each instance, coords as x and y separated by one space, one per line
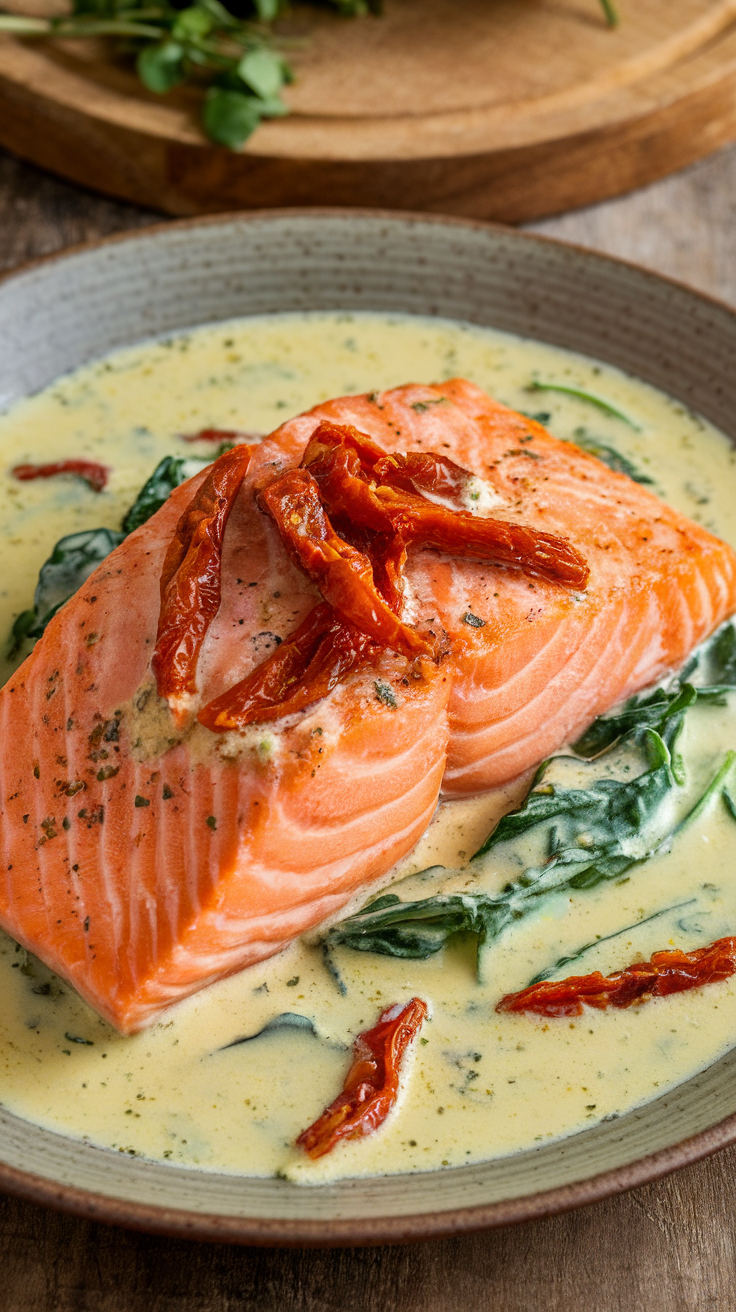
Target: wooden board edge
511 186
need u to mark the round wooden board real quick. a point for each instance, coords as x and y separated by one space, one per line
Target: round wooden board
503 109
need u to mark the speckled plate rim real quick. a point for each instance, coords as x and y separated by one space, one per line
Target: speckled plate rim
270 1232
361 1231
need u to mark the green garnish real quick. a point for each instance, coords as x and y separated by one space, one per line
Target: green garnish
606 938
474 621
592 833
384 693
168 474
588 397
608 455
234 57
69 566
287 1020
605 831
75 557
664 708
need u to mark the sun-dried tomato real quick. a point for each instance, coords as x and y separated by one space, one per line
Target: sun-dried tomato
93 474
372 1083
422 472
190 579
347 469
419 472
666 972
300 672
347 517
343 574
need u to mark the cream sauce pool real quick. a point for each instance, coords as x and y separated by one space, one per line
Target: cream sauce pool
479 1084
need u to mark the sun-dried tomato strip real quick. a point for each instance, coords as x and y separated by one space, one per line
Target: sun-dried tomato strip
415 471
372 1083
423 472
190 578
347 471
475 537
667 972
343 574
94 474
300 672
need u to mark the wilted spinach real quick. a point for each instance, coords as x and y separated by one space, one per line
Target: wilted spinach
594 835
170 473
69 566
608 455
75 557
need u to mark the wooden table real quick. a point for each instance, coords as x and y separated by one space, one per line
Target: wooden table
670 1247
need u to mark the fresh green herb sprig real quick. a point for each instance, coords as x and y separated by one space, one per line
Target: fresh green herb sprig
235 58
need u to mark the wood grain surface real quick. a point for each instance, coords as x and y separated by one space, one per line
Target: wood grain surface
525 108
669 1247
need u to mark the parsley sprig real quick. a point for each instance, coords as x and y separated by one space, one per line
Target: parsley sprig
236 59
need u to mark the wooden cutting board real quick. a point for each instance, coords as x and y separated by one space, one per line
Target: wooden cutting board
501 109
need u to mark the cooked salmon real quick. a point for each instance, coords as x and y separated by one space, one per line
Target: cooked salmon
146 856
543 661
141 864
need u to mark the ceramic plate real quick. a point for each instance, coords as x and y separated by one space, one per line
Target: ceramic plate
58 314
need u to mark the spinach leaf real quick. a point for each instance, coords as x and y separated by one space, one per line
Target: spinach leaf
603 815
599 834
588 397
606 938
75 557
69 566
410 929
661 710
170 473
608 455
286 1020
720 657
664 708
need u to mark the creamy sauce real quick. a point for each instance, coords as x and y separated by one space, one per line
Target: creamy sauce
479 1085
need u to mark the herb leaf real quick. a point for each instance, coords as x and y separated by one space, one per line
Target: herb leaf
664 708
286 1020
203 43
599 833
75 557
230 117
161 67
69 566
590 399
619 463
168 474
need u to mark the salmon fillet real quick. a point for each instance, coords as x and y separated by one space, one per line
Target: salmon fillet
546 661
145 857
142 864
